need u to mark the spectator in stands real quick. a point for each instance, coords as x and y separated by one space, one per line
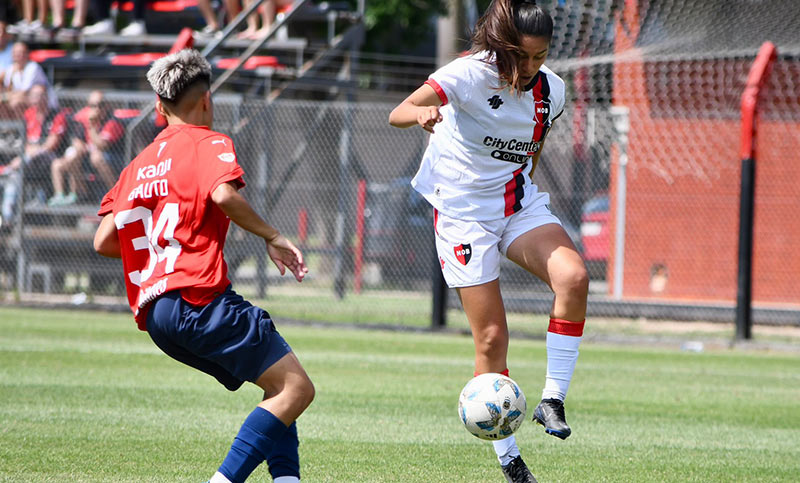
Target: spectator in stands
271 9
78 17
21 76
95 136
38 9
212 28
46 132
105 24
137 26
267 10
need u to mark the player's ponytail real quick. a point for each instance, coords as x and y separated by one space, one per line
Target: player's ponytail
499 29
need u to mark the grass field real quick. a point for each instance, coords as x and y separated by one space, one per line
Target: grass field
86 397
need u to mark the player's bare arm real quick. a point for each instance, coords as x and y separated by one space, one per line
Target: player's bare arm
535 158
420 108
282 251
106 241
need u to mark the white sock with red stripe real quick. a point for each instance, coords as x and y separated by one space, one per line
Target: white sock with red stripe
563 339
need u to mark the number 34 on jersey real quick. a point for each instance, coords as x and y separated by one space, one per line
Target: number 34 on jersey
164 228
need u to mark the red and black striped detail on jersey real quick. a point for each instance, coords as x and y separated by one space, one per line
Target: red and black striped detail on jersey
541 106
438 89
515 190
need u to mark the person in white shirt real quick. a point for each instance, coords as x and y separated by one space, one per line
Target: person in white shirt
23 74
489 114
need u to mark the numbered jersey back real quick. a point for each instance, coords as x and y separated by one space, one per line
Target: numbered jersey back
171 234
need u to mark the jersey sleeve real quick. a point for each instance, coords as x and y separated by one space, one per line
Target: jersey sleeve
220 164
454 81
107 204
558 96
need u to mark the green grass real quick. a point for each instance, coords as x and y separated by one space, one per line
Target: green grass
86 397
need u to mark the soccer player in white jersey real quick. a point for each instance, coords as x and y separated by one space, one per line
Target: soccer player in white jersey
488 114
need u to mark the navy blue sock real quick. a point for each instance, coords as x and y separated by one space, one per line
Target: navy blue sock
283 460
255 441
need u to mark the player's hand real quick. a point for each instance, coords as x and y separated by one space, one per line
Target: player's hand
428 116
285 255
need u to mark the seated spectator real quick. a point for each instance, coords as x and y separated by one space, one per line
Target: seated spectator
213 27
96 137
105 24
46 133
267 10
21 76
78 22
34 17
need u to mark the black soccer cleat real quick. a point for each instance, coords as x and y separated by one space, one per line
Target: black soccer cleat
550 414
518 472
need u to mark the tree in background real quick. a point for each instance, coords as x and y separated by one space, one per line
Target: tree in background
397 26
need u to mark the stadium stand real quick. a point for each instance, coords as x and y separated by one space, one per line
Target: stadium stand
72 59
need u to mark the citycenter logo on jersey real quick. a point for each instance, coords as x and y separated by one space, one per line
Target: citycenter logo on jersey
528 148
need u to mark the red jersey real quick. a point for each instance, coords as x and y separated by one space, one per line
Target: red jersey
112 130
37 129
171 233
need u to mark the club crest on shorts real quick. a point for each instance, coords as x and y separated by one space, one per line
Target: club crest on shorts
463 253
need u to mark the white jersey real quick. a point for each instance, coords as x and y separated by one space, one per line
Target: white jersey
477 164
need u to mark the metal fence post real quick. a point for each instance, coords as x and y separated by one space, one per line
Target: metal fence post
759 73
622 125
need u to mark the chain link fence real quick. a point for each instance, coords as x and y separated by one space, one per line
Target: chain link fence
642 168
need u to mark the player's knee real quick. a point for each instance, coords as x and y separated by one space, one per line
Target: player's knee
572 280
491 338
304 392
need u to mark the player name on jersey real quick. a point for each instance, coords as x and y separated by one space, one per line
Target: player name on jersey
148 189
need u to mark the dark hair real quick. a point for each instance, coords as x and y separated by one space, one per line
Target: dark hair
499 29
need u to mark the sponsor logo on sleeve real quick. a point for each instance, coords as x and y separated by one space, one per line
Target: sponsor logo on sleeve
227 157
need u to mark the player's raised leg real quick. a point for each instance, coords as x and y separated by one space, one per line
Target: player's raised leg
483 306
548 253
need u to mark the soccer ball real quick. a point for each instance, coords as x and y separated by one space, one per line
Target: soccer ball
492 406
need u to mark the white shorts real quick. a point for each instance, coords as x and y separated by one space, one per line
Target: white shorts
469 251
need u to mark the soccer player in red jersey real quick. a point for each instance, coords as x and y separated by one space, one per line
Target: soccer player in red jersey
167 217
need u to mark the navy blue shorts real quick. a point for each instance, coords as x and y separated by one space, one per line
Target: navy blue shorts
229 338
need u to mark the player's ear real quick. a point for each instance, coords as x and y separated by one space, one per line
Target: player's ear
160 108
207 101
